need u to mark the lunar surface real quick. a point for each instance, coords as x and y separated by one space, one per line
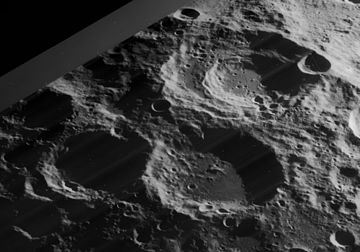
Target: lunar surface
227 126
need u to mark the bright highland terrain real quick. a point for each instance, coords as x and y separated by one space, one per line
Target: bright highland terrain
226 126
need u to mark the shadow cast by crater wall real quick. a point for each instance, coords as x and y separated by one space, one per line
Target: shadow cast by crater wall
254 162
275 59
101 161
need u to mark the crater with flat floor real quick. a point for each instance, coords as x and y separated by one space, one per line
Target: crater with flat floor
254 162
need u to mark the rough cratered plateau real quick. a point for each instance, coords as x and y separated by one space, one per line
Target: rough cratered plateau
227 126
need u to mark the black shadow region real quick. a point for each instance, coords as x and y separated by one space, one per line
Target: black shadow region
317 63
25 155
106 74
101 161
47 108
190 13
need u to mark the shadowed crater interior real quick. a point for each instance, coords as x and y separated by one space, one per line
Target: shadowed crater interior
101 70
47 109
256 163
269 41
190 13
101 161
140 94
317 63
25 155
36 217
348 172
275 60
344 237
247 227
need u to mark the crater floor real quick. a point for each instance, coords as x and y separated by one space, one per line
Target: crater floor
226 126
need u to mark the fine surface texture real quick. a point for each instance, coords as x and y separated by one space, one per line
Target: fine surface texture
226 126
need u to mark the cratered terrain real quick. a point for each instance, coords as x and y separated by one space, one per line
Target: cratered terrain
226 126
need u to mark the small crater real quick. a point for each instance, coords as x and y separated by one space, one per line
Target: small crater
349 172
116 54
343 238
355 1
143 91
115 50
190 13
169 24
274 106
214 171
192 186
101 161
229 222
351 206
206 208
317 63
164 225
179 32
262 108
282 203
222 211
161 106
259 99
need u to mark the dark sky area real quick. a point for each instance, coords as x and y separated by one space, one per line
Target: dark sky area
28 28
74 33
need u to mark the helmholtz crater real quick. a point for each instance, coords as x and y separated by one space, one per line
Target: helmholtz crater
254 162
226 168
